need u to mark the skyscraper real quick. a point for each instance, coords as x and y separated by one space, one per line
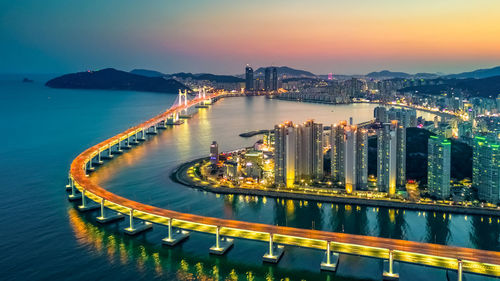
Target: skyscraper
310 151
486 169
298 152
386 158
337 152
438 166
285 154
267 79
274 85
362 159
349 156
249 78
380 114
214 153
400 156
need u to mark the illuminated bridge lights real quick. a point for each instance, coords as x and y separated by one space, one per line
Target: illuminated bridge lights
472 260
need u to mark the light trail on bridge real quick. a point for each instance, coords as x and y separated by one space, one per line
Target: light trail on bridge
447 257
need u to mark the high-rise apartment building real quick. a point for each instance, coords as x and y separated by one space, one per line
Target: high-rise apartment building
387 158
214 153
400 156
380 114
285 154
438 166
349 156
310 151
361 159
274 73
298 152
267 78
486 169
249 78
337 151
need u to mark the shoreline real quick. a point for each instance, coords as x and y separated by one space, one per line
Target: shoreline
179 175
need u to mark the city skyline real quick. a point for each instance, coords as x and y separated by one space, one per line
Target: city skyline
322 37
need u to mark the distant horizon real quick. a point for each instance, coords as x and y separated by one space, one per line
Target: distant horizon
242 72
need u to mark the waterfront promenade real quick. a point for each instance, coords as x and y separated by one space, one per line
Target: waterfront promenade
82 188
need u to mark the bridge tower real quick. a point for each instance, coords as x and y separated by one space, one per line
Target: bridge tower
183 100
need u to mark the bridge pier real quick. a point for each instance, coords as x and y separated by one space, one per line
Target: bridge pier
134 230
74 196
161 125
275 251
110 155
331 260
134 137
459 270
90 168
143 135
221 245
174 237
390 274
119 147
86 207
99 158
107 219
154 132
70 182
127 143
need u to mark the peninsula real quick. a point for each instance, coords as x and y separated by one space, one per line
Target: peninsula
112 79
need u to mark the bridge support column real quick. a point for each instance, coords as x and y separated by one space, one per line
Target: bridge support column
174 237
91 168
127 143
460 269
110 218
390 268
70 182
221 245
86 207
110 155
134 230
135 138
74 196
119 147
99 158
331 259
143 135
275 251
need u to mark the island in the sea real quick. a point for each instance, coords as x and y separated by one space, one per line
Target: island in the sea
112 79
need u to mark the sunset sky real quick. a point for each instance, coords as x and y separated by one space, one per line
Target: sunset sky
222 36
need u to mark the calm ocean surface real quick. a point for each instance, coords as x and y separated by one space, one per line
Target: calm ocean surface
43 237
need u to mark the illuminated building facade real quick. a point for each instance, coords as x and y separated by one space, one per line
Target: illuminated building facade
438 167
401 156
298 152
361 159
349 156
267 78
285 154
249 78
486 169
386 158
214 153
274 74
310 151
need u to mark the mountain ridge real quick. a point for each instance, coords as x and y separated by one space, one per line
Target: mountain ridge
112 79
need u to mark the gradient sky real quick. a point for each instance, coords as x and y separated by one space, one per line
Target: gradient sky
221 36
